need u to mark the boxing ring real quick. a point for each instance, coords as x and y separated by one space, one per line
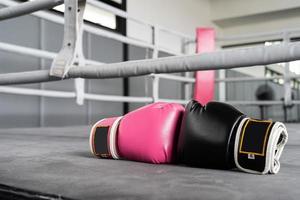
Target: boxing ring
57 164
222 59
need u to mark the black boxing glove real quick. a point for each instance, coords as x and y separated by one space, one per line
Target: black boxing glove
220 136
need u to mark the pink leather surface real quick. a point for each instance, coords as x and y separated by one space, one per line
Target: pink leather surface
106 122
205 80
149 134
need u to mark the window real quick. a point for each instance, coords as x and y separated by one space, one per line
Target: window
269 73
295 67
117 1
95 15
100 17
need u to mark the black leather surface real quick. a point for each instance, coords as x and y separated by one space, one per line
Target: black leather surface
205 136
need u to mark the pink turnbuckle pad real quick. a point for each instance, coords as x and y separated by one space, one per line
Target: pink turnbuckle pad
205 80
150 134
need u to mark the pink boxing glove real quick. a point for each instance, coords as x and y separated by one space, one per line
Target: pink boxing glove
148 134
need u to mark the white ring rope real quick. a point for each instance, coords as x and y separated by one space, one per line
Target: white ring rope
224 59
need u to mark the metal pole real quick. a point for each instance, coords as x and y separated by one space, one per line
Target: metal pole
65 94
89 84
115 98
147 79
287 79
248 79
186 85
155 32
155 89
37 92
42 66
79 83
180 101
188 80
222 85
38 53
155 79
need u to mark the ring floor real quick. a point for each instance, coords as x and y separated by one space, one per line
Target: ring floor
58 161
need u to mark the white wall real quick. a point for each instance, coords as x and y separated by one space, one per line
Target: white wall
224 9
229 17
235 17
240 16
182 16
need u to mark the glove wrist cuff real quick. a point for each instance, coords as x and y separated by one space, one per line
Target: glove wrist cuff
113 148
103 138
258 145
